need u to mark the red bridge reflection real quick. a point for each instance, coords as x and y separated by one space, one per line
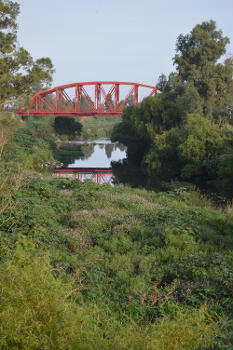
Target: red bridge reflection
99 175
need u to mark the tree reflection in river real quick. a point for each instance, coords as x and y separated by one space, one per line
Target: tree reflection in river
87 150
108 150
102 154
96 154
67 153
128 173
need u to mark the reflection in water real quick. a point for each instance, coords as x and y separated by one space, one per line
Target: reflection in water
67 153
87 150
102 154
96 154
129 173
109 149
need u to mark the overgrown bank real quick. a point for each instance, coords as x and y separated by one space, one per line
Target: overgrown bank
88 266
84 266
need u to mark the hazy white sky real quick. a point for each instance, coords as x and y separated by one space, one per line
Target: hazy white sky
124 40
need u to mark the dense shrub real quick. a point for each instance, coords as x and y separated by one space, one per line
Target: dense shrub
45 315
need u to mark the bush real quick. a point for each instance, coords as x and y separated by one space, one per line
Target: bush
46 316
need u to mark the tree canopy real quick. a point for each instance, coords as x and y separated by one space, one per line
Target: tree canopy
179 134
197 63
20 75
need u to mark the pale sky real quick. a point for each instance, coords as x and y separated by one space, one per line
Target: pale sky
123 40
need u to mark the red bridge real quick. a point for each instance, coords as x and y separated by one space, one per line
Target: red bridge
98 175
96 98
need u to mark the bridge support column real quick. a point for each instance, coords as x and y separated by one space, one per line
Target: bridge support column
116 97
135 95
78 93
36 104
97 96
58 101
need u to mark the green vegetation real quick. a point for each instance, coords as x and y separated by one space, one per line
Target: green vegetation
95 128
67 126
186 132
89 266
85 266
20 76
67 153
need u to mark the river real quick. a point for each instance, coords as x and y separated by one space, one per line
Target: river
94 154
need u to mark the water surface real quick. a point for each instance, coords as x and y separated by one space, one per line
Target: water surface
97 154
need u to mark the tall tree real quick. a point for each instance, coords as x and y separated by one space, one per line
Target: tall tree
19 74
174 136
197 63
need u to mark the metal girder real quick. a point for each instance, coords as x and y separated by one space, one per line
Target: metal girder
98 175
59 101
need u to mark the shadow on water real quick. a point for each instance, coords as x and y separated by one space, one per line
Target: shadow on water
128 173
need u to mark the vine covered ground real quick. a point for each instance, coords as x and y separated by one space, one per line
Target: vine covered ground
89 266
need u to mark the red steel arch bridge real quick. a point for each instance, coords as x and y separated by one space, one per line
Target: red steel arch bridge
95 98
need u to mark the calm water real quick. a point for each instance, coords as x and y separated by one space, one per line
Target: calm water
98 154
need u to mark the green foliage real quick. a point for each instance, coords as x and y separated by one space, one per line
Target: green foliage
196 61
148 269
162 82
203 139
46 315
19 74
136 254
67 126
188 152
37 300
27 145
67 153
9 11
27 150
184 132
85 266
41 128
95 128
225 174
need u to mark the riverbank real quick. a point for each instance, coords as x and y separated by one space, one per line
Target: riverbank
157 265
97 267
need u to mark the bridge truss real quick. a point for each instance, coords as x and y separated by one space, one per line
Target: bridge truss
97 98
99 175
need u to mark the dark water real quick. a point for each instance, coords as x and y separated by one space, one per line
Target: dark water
93 154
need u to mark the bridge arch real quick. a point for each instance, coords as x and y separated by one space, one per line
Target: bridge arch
74 99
